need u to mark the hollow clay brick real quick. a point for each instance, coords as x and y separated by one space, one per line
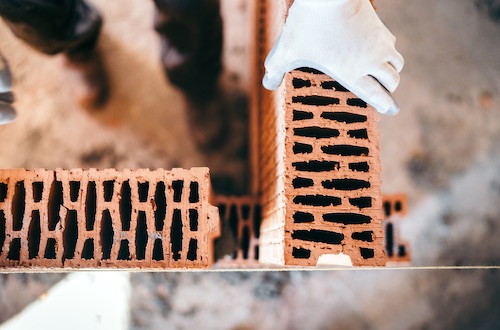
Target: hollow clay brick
106 219
343 154
395 209
242 216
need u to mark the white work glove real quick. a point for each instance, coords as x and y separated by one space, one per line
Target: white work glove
346 40
7 112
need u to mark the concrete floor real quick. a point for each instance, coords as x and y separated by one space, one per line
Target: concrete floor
443 151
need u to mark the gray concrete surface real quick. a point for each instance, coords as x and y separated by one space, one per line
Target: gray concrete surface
443 150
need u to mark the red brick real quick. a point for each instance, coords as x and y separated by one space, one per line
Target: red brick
107 219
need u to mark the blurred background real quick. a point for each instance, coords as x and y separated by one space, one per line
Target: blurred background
442 151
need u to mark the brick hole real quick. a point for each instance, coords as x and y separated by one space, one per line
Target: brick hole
143 191
108 187
302 183
387 209
333 85
356 102
124 251
401 251
300 253
74 190
346 184
222 210
70 234
302 217
15 249
320 236
91 205
158 250
141 236
245 211
365 236
358 134
302 115
316 166
233 220
193 249
361 202
177 186
256 252
50 249
397 206
2 229
37 191
193 220
107 234
18 206
161 206
389 239
125 205
300 83
302 148
34 233
194 192
309 70
359 167
245 242
344 117
315 100
257 216
88 249
347 218
316 132
176 234
55 202
317 200
367 253
3 191
345 150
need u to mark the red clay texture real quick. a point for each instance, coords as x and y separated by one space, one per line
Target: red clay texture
106 219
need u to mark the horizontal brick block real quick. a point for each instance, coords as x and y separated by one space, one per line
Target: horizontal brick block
106 219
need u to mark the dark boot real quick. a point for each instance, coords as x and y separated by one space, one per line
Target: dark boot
68 26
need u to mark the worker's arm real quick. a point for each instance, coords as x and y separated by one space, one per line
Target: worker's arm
7 112
344 39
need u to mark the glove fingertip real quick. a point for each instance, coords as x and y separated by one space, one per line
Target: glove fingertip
392 110
270 84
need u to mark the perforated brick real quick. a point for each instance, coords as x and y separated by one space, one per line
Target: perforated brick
106 219
395 210
318 174
242 216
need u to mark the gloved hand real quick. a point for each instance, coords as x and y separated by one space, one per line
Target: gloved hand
7 112
346 40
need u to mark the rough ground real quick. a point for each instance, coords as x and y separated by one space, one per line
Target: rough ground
443 150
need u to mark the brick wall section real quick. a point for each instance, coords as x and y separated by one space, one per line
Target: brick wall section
395 209
106 219
243 216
